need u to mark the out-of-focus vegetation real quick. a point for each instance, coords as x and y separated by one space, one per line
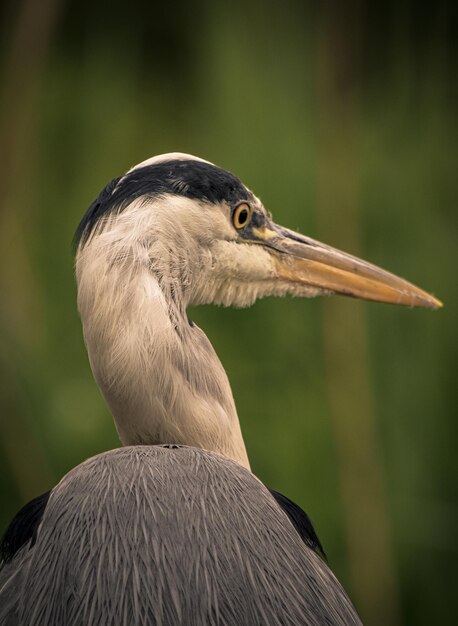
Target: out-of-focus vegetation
341 117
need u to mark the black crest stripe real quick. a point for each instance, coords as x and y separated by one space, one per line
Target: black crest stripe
189 178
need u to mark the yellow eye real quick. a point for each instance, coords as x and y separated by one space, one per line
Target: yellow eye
241 215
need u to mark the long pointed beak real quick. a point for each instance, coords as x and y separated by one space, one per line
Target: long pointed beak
307 262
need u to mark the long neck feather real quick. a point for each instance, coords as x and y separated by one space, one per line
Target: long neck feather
159 374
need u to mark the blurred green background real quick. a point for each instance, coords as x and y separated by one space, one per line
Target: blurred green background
342 118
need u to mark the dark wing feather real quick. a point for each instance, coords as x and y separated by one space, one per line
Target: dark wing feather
23 527
301 522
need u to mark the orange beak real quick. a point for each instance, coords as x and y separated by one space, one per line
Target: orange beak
304 261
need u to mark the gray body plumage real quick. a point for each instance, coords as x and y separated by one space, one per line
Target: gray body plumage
150 535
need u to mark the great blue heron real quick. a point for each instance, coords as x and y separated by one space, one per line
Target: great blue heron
174 528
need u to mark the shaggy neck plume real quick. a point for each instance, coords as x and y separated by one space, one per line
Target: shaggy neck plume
150 363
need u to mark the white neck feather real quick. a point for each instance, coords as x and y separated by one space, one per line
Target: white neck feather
159 375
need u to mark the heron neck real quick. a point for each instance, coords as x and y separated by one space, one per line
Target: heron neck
158 373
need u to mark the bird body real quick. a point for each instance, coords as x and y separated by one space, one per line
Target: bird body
151 535
174 528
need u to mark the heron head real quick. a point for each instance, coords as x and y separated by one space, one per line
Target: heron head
209 239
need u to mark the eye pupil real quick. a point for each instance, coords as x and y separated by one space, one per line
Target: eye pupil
242 215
